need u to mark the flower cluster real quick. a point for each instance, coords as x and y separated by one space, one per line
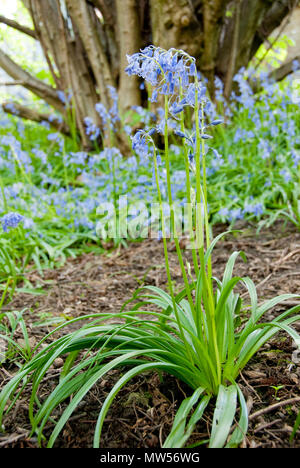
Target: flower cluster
140 143
110 117
169 72
65 98
56 138
11 221
91 129
103 113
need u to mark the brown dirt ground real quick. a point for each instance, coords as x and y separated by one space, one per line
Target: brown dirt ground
144 410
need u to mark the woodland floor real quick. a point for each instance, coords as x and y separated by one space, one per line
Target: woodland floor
143 412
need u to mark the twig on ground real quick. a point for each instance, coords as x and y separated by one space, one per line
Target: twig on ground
273 407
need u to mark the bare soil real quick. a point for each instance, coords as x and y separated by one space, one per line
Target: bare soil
143 412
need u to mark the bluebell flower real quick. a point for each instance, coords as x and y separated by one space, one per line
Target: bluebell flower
204 136
176 109
103 113
91 130
265 149
175 149
65 99
165 70
140 143
57 138
235 214
28 223
256 209
192 162
11 221
40 155
10 106
61 96
295 65
216 122
55 118
154 96
286 175
127 129
296 158
224 212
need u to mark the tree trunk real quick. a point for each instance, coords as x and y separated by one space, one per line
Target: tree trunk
129 43
85 19
175 24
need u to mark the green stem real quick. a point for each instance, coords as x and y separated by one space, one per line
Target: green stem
111 144
3 196
173 226
66 173
188 194
207 279
187 346
20 165
207 230
199 221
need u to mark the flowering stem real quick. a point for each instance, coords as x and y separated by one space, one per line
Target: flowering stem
111 144
199 223
207 230
20 165
188 193
208 297
173 226
66 171
71 119
187 346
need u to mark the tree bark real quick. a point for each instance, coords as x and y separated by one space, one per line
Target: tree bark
174 24
234 52
38 87
129 43
258 19
285 69
213 12
14 108
61 40
85 19
18 27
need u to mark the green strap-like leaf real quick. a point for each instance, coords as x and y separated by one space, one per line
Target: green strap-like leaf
240 432
223 416
181 431
121 382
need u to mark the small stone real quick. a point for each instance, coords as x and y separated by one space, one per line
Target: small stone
294 378
23 344
59 362
152 441
103 383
